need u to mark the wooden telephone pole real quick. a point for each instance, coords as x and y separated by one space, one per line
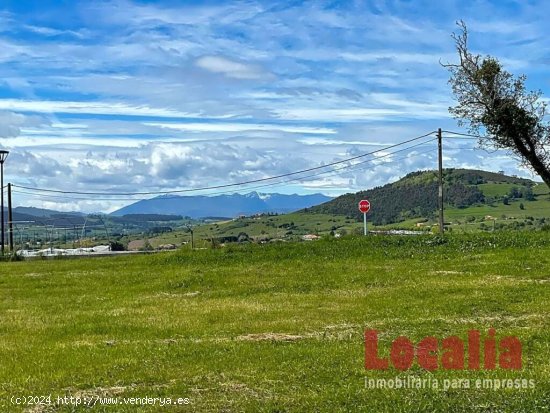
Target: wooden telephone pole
440 195
10 219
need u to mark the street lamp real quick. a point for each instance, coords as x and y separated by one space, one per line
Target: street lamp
3 156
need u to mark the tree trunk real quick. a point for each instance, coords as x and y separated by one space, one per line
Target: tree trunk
536 163
540 168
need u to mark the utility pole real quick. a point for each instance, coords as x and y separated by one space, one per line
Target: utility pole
3 155
440 195
10 219
2 204
190 230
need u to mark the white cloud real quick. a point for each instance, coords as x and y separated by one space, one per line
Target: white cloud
124 12
241 127
48 31
13 124
230 68
340 115
333 142
95 108
192 166
398 57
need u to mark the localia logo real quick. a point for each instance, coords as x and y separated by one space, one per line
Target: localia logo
450 353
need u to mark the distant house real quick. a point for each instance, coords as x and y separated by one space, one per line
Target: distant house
310 237
167 247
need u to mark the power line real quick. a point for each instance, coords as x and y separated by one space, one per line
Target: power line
462 135
74 198
228 185
348 168
345 168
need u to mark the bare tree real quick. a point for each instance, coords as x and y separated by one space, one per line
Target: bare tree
495 105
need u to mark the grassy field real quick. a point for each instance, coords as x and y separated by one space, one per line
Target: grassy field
276 226
273 328
496 189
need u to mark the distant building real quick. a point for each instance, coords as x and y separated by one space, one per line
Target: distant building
310 237
167 247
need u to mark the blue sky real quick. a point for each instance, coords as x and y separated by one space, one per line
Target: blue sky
157 95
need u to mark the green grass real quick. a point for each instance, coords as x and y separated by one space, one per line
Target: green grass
541 189
274 327
496 189
540 208
277 226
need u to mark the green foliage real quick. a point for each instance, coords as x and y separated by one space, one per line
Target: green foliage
10 257
494 102
117 246
159 229
243 237
527 194
137 218
147 246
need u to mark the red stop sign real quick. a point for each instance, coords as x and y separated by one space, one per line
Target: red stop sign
364 206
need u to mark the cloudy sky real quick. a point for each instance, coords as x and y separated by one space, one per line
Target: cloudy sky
134 96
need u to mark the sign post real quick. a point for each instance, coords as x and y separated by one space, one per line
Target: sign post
364 207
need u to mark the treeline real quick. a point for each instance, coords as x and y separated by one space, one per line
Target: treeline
139 218
476 177
462 176
393 203
55 220
525 192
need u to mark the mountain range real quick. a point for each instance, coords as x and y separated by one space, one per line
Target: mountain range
41 216
230 205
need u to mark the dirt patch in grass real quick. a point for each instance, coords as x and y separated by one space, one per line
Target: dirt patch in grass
33 274
331 332
442 272
177 295
501 319
242 388
271 337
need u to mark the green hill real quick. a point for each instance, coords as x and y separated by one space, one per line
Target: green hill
415 195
